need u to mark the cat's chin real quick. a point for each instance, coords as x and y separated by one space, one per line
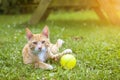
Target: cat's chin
39 51
36 52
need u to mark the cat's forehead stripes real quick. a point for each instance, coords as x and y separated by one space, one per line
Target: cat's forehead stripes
38 37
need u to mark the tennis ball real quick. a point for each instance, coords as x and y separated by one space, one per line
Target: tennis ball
68 61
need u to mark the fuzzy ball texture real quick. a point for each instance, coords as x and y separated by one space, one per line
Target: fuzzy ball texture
68 61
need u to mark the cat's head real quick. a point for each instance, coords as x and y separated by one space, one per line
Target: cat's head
38 42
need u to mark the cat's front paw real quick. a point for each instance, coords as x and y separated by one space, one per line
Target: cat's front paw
67 51
50 67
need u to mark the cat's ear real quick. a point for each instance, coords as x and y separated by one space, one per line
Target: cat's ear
45 31
29 34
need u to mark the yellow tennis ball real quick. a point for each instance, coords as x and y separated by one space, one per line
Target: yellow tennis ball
68 61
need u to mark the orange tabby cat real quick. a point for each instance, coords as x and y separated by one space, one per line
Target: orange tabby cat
39 49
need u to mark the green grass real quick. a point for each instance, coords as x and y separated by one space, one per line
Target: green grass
97 47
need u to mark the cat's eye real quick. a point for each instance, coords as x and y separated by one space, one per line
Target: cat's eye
34 42
43 42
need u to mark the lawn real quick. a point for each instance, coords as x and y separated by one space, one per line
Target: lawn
95 44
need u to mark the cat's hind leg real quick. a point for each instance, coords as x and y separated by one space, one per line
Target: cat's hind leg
55 47
58 55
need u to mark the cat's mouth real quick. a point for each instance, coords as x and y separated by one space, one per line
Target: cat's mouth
42 50
36 52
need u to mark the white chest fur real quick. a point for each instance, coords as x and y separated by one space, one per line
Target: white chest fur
42 55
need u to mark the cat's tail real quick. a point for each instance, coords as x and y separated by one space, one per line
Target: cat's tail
57 56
